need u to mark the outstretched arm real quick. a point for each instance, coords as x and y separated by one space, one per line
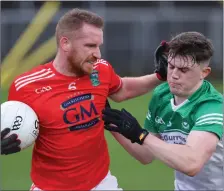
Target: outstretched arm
135 150
189 158
136 86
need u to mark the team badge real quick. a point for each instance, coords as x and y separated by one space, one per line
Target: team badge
185 125
94 77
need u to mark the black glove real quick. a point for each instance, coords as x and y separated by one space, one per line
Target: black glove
10 144
160 60
107 105
125 124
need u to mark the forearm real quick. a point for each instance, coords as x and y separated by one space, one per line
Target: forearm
136 86
180 157
134 149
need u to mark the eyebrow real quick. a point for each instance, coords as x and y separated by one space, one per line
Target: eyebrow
93 44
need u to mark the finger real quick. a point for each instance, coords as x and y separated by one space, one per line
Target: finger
10 151
112 128
165 46
124 111
11 146
111 110
7 141
109 119
161 49
128 115
158 52
164 60
107 105
163 43
116 114
5 132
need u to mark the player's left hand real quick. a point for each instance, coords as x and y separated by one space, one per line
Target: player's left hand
10 144
124 123
160 60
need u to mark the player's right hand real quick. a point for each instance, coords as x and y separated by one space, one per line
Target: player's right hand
124 123
10 144
160 60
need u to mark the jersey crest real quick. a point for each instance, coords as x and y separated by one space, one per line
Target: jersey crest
94 77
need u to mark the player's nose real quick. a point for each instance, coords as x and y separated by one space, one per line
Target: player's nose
175 73
97 53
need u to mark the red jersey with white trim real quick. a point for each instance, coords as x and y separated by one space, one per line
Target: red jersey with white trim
70 152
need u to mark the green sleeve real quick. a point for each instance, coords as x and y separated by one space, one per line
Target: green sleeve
150 116
209 117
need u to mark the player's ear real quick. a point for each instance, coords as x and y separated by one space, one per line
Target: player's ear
205 72
65 44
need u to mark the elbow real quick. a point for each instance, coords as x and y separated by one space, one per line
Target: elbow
121 97
118 100
192 170
145 162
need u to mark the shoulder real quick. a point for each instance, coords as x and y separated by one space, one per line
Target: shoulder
36 74
38 70
210 103
102 65
209 98
209 106
211 93
104 69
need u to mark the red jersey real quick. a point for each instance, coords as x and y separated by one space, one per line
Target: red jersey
70 152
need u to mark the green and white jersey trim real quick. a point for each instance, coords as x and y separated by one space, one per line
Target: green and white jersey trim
148 115
212 118
176 107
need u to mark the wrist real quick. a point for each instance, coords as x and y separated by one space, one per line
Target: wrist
144 133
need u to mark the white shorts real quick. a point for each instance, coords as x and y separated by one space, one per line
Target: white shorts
108 183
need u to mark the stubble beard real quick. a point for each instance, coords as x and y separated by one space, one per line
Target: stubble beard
75 66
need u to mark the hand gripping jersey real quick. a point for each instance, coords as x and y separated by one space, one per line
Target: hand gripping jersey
70 152
202 112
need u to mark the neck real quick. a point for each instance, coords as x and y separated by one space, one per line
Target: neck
61 64
180 99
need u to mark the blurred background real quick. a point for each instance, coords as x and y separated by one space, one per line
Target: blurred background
132 32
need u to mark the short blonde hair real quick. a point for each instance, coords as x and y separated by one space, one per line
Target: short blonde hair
74 20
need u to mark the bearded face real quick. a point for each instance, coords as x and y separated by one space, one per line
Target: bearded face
85 49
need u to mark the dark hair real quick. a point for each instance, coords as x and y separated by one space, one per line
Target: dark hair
192 44
74 20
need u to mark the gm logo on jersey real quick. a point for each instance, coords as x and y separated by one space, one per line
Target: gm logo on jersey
80 112
43 89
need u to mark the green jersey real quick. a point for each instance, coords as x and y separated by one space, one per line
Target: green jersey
202 111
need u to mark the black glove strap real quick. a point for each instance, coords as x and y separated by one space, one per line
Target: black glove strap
142 136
